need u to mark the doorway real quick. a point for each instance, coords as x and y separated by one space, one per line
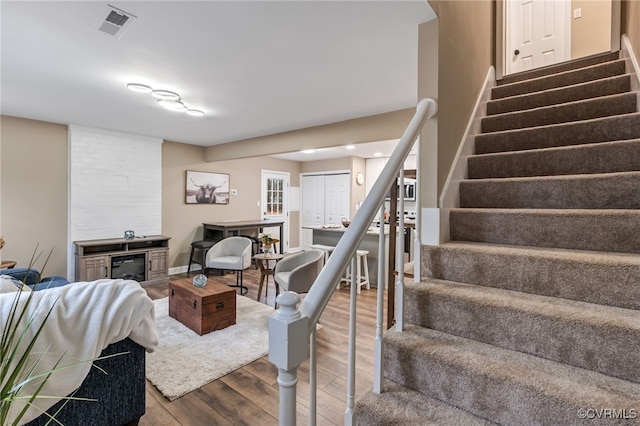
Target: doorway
538 33
275 202
325 201
589 27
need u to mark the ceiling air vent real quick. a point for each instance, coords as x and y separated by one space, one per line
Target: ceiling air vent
115 22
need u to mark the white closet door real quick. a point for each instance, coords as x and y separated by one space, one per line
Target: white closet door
312 207
337 194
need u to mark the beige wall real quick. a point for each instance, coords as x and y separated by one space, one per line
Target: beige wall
631 23
465 53
367 129
34 192
591 33
428 88
183 223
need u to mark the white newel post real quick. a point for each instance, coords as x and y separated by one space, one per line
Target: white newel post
288 340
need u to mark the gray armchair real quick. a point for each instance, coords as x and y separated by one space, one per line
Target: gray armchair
231 254
299 271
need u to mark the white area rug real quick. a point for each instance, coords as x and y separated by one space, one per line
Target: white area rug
185 361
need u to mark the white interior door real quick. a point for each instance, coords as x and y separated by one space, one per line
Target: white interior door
538 33
337 194
275 205
312 207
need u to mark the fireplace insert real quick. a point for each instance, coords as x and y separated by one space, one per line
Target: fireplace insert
128 267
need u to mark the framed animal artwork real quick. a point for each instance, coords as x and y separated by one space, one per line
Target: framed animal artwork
207 188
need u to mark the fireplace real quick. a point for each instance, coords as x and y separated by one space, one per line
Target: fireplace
128 267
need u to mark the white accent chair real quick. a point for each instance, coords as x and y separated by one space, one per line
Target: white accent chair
298 272
231 254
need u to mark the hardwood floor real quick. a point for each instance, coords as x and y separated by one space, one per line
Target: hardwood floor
249 395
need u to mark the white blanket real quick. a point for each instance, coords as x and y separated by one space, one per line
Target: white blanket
85 318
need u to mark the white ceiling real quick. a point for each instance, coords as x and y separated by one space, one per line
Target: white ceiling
255 68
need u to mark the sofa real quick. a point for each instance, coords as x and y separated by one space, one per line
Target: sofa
118 397
32 278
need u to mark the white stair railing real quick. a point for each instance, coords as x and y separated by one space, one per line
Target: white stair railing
291 327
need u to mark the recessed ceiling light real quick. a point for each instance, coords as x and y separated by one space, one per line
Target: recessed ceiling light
350 147
308 151
165 94
195 112
172 105
377 154
142 88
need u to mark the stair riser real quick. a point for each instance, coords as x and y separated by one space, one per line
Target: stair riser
557 68
604 87
606 157
580 278
492 394
397 405
615 232
615 191
566 337
583 75
616 128
574 111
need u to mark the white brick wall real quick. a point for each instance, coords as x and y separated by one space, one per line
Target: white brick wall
115 184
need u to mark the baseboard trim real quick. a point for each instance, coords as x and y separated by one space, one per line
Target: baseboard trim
631 64
450 197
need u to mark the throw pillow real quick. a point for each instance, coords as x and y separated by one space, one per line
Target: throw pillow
9 284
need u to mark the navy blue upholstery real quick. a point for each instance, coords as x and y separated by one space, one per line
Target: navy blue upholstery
119 394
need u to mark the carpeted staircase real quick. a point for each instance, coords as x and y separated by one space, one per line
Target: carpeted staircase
531 314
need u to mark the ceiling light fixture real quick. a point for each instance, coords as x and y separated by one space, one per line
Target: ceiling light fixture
166 98
350 147
195 112
165 94
140 88
172 105
377 154
308 151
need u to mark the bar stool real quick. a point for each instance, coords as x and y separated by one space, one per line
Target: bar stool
326 249
362 273
203 246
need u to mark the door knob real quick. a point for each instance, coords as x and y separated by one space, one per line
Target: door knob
516 52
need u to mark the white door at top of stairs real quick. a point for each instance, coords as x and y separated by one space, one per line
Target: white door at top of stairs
538 33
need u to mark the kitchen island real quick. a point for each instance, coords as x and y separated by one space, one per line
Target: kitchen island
330 235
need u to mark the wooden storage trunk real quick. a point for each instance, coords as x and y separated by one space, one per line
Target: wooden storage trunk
202 309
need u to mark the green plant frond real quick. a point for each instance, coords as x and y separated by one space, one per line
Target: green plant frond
24 357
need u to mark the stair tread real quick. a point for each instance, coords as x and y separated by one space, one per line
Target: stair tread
562 66
618 190
625 126
553 149
552 212
616 230
569 331
602 157
561 79
579 387
611 258
588 313
583 109
560 95
399 405
560 178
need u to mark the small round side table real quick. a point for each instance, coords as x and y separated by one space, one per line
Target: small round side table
7 264
266 271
